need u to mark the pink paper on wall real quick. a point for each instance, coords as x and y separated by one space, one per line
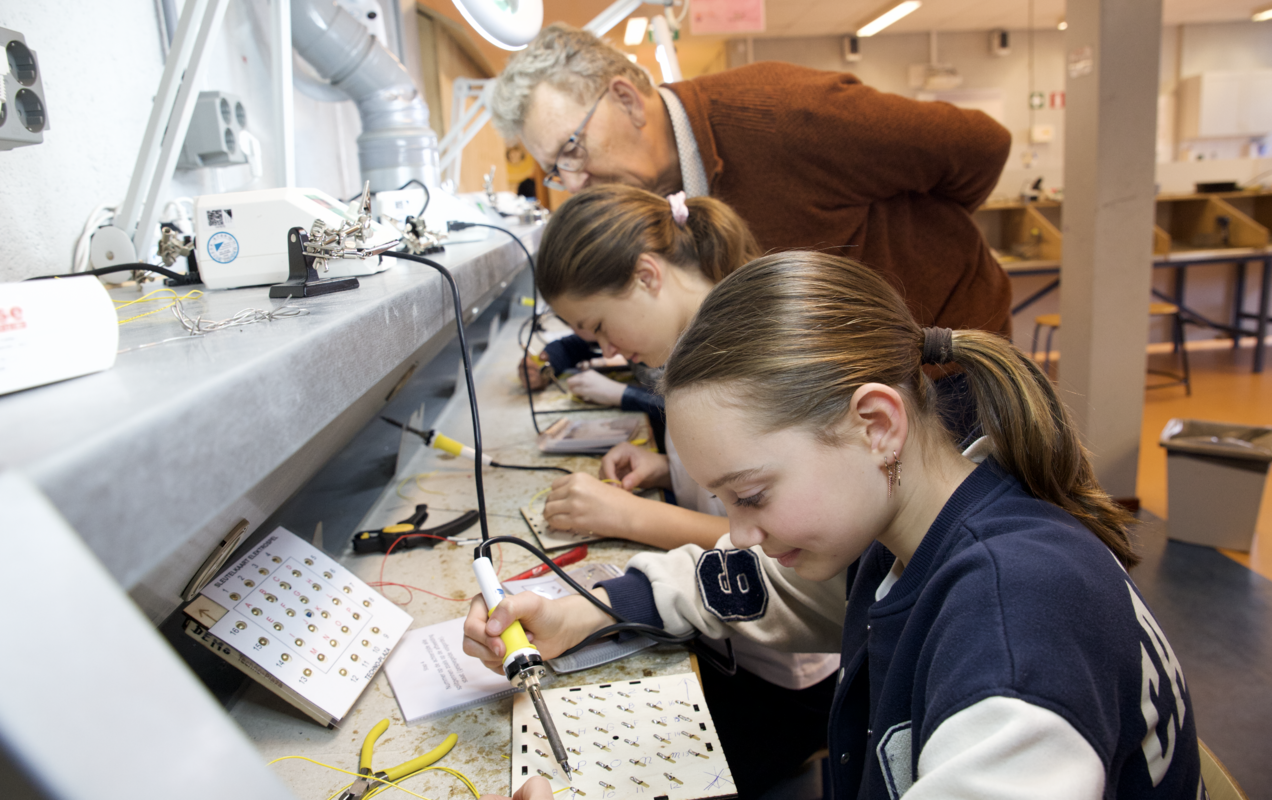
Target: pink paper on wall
726 16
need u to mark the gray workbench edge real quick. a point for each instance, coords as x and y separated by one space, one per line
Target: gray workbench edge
156 459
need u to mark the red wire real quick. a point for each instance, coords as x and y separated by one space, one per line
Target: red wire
412 589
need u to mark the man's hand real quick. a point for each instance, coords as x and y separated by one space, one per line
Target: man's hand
596 388
581 503
554 626
635 467
535 788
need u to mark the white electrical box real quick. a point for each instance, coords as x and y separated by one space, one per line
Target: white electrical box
1041 134
241 237
215 135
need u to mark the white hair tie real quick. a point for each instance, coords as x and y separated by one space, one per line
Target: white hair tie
679 210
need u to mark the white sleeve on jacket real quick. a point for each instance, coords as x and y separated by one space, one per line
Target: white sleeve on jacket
801 616
1003 747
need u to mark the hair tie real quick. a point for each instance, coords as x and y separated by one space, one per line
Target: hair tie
938 346
679 210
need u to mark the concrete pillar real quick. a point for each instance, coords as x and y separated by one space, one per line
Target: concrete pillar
1109 167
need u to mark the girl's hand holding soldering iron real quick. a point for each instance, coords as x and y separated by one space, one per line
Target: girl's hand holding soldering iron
553 626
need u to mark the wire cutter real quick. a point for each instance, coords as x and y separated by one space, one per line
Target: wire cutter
366 783
406 534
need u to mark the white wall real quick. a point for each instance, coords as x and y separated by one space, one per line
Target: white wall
101 64
1185 51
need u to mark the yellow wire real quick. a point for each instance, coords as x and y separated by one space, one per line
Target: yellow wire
468 784
145 298
463 779
417 479
149 297
539 494
346 772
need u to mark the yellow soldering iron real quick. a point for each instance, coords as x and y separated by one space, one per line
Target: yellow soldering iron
442 442
522 663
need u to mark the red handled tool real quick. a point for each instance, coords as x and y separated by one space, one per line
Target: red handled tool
568 557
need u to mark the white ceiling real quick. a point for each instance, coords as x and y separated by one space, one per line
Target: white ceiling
821 17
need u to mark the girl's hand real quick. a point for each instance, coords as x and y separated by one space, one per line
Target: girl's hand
535 788
635 467
612 361
583 504
536 371
596 388
554 626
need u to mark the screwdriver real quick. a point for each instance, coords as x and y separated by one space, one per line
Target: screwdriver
522 664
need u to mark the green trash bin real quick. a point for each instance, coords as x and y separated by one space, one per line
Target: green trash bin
1215 472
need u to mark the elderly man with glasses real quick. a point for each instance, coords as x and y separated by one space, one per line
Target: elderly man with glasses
810 159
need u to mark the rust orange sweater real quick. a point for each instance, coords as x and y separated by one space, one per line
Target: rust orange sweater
814 159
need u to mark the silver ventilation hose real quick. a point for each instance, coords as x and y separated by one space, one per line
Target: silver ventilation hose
396 143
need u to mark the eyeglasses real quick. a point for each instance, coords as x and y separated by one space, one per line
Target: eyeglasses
573 156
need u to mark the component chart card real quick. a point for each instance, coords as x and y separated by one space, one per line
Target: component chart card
306 620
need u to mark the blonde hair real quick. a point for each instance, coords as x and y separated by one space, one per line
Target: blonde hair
592 242
571 60
795 334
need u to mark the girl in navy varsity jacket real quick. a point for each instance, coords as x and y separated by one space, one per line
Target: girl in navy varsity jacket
992 644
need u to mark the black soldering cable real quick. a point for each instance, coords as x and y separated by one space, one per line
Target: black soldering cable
457 225
468 377
181 280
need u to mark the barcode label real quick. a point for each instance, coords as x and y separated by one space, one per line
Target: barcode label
220 217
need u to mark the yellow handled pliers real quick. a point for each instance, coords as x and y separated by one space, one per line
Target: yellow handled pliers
366 781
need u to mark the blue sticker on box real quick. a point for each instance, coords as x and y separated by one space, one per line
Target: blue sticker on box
223 247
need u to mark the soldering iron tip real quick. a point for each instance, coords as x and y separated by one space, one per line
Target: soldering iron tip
566 768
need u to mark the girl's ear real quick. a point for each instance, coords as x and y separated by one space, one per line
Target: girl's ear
879 412
650 274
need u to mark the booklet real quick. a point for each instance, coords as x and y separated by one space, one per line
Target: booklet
431 675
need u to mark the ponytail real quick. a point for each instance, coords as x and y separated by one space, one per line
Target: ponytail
592 242
721 240
1034 436
796 334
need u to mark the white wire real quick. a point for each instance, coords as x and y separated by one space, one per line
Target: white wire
197 326
174 212
103 214
676 21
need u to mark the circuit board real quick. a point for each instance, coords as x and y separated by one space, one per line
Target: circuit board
652 737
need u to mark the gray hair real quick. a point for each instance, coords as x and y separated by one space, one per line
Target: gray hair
571 60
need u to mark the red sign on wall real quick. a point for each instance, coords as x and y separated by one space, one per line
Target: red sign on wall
1056 100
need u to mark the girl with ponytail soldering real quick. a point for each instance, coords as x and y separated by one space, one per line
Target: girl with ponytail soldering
992 644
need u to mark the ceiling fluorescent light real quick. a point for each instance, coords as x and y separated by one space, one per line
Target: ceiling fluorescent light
888 17
635 33
1262 15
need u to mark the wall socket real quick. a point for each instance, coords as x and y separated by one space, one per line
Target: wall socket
23 114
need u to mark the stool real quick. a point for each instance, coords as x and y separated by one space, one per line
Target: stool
1052 323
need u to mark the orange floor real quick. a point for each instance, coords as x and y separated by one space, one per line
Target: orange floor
1224 390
